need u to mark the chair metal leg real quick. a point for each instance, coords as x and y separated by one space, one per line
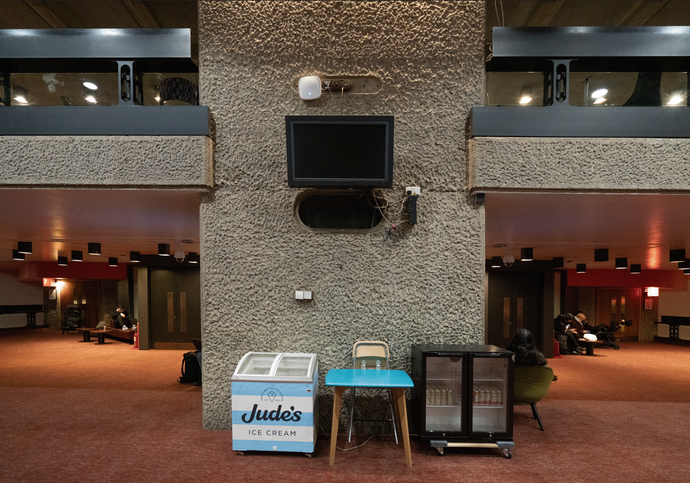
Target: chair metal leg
352 414
390 403
536 415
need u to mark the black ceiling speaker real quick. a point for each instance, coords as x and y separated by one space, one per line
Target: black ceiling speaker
677 256
24 247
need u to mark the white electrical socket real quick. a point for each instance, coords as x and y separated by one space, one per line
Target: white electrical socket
299 295
307 295
413 190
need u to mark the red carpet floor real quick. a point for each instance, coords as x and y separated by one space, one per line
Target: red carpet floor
77 412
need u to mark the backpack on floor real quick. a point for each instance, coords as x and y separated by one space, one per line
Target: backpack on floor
191 370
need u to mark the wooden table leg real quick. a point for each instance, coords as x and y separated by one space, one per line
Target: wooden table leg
401 407
337 402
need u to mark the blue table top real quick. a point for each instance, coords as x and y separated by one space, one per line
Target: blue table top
368 378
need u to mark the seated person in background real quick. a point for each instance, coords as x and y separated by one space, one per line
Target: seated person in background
121 318
525 349
572 335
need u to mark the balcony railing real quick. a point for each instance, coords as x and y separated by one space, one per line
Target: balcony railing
587 82
99 82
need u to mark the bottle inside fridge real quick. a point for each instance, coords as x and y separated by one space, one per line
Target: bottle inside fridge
488 393
443 393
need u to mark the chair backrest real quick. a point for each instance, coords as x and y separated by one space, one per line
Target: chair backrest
370 351
531 383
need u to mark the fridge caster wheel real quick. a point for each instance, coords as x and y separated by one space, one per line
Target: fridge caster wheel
506 453
308 455
440 451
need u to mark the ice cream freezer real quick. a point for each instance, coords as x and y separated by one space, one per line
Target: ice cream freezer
274 402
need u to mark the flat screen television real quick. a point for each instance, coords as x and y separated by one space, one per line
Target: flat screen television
348 151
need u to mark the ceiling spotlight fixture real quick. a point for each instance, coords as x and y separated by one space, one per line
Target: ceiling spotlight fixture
179 254
558 262
635 268
675 100
508 258
134 257
164 249
194 257
599 93
677 256
684 265
90 85
309 87
581 268
20 95
601 255
25 247
17 256
94 248
495 262
77 256
62 261
526 254
621 263
112 261
526 95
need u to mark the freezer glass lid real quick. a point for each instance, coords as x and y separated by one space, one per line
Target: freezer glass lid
294 365
259 363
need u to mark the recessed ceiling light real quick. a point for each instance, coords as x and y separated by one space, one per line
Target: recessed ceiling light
600 100
91 99
675 100
599 93
90 85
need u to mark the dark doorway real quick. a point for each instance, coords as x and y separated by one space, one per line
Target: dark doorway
515 302
175 308
85 296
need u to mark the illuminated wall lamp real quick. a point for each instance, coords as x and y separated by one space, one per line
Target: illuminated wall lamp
652 291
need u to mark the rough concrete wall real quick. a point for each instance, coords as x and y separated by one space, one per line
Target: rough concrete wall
425 288
579 163
117 161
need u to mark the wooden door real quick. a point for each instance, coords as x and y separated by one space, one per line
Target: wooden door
515 302
175 308
85 296
620 304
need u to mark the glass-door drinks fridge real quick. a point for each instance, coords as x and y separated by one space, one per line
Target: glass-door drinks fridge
463 396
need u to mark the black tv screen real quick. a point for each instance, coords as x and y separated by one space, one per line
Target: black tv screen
340 151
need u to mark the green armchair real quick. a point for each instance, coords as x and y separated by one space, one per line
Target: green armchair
531 383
